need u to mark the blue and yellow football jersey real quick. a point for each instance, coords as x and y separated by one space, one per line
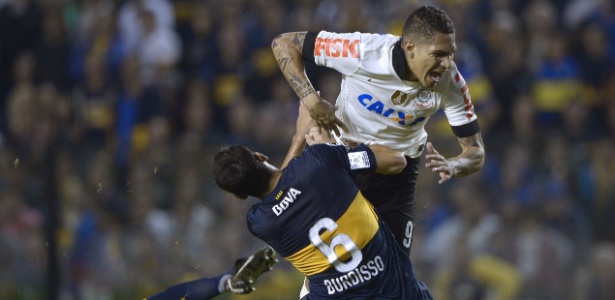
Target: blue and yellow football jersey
317 219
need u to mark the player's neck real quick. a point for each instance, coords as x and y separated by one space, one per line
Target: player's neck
273 182
409 75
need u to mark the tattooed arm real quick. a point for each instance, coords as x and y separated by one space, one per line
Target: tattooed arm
287 49
469 161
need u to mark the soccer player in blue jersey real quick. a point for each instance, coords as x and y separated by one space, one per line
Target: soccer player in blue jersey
239 280
313 214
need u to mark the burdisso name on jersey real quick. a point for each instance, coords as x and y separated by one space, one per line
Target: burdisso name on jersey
361 274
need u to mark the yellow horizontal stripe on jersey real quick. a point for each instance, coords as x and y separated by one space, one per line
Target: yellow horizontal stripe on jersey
359 222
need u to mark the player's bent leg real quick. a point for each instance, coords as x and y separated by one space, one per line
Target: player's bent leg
247 270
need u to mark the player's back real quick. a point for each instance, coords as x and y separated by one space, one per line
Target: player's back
317 219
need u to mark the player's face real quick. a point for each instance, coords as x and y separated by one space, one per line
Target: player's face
428 60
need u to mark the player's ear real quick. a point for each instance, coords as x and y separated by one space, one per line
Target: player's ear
261 157
408 47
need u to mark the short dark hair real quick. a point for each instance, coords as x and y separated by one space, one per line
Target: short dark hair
425 22
236 170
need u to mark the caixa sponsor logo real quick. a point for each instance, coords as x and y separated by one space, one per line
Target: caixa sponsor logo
376 106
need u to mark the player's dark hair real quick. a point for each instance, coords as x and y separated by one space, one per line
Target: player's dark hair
236 170
425 22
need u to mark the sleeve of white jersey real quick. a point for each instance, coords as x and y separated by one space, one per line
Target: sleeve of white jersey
458 105
339 51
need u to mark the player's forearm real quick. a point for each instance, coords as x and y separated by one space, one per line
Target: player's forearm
388 161
471 158
287 49
296 147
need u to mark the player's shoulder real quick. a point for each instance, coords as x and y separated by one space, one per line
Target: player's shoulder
379 40
366 38
453 80
384 37
325 148
326 152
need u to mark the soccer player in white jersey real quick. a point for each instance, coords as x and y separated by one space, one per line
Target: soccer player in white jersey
390 87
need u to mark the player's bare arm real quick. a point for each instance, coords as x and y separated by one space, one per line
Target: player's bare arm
287 49
469 161
388 161
317 135
303 126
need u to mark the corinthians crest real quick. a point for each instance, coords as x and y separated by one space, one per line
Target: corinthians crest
424 99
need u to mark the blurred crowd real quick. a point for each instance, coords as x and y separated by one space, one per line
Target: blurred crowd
110 112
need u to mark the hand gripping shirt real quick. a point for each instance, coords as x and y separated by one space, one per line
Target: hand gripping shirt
318 220
375 103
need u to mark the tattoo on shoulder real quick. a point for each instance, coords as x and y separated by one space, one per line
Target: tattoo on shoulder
288 56
299 39
283 62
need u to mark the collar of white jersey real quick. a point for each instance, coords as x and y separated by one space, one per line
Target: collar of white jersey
399 60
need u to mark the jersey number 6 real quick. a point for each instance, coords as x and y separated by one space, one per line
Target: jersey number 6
340 239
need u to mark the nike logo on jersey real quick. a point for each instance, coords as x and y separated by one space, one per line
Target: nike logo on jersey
376 106
289 198
336 47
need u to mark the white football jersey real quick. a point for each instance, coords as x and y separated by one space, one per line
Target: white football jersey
374 103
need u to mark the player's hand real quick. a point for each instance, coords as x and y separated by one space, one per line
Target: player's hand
351 143
323 113
304 121
317 135
438 164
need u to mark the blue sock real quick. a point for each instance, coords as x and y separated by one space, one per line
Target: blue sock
204 288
